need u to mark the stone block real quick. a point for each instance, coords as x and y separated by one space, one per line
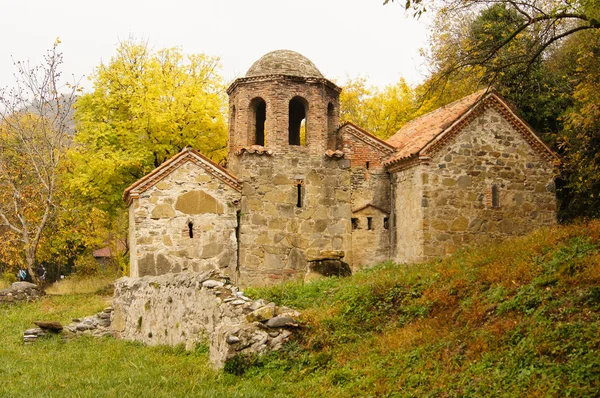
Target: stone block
162 211
198 202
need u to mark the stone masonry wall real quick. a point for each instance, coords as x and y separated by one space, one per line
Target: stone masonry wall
198 308
370 246
457 197
407 215
187 221
278 238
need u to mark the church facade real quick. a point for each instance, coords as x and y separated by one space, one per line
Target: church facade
303 195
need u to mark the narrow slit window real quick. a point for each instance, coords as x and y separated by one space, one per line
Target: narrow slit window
191 229
367 165
355 223
495 196
299 193
386 223
369 223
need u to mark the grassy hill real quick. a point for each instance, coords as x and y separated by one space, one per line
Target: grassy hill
517 319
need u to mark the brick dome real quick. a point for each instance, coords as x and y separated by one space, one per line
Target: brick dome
284 62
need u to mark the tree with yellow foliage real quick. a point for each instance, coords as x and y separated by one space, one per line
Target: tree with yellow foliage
146 106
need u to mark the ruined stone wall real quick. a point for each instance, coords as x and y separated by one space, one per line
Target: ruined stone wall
162 238
457 198
198 308
407 215
277 237
277 92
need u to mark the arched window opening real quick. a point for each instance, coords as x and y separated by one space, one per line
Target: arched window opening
370 223
386 223
259 108
297 118
330 118
354 223
495 196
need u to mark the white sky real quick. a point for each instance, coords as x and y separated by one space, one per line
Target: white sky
342 37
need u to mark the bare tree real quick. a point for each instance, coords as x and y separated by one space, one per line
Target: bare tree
35 127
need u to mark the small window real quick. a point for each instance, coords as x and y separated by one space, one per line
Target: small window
386 223
191 229
369 223
367 165
299 194
495 196
355 223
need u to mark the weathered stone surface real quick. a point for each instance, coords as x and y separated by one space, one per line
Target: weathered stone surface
198 202
261 314
163 211
188 308
281 321
49 325
19 292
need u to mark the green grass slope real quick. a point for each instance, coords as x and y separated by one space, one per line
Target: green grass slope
517 319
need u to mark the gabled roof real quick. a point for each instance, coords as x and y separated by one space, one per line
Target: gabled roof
426 134
370 205
186 155
368 138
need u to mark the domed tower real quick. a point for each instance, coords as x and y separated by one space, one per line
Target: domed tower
283 122
283 104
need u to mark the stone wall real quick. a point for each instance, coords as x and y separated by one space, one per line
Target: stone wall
198 308
407 215
457 187
187 221
19 292
279 235
370 236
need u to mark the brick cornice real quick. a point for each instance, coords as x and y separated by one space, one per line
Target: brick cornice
275 78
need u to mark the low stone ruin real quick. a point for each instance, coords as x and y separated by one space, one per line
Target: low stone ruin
19 292
97 325
199 308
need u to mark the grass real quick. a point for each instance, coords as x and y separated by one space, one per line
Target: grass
515 319
75 284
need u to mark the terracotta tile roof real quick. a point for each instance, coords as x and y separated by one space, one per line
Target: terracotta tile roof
430 132
186 154
417 133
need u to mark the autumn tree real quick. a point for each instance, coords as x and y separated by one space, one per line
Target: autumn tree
145 107
34 135
381 111
535 27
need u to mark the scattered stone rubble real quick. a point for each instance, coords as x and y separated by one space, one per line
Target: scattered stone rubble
20 291
97 325
199 308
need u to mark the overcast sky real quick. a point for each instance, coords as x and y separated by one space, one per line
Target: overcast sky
342 37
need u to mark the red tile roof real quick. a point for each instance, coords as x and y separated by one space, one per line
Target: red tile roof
426 134
417 133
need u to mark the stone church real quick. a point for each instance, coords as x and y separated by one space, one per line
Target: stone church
304 195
